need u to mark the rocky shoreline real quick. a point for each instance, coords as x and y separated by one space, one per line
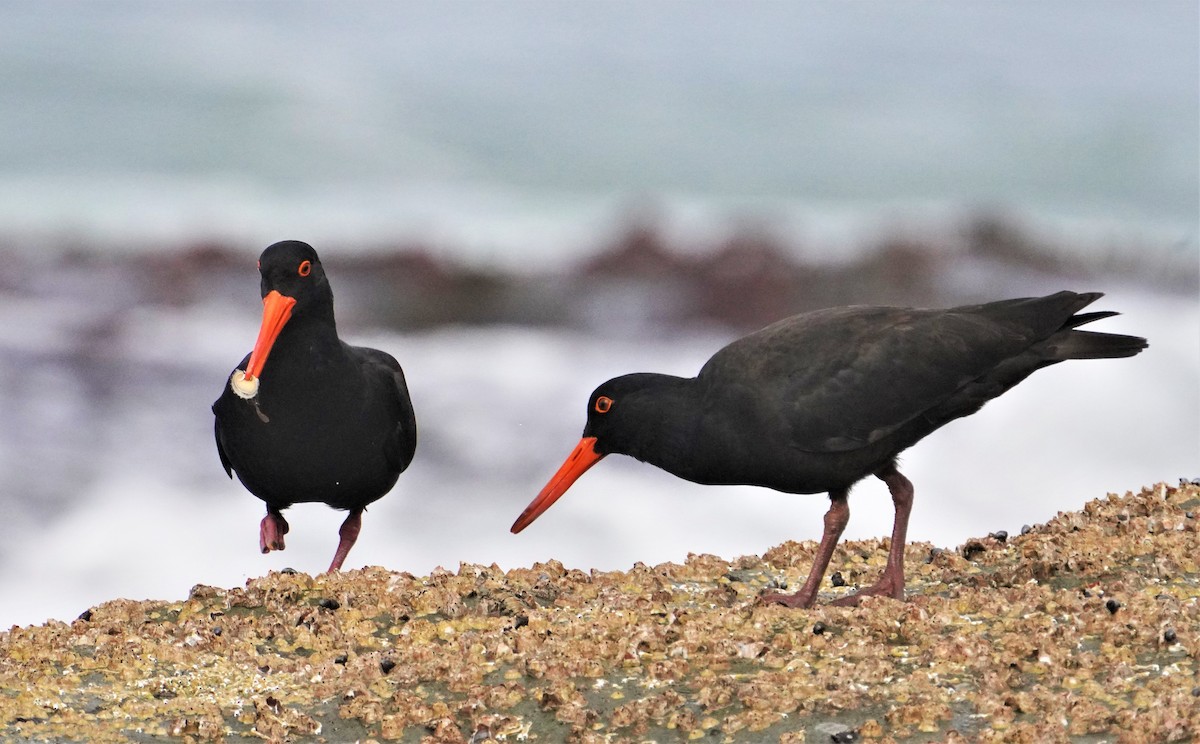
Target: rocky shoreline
1086 629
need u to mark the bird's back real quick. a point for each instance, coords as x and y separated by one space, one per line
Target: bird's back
851 378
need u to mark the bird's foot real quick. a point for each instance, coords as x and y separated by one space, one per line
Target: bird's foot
799 599
887 586
271 532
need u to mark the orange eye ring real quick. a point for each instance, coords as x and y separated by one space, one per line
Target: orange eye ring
305 268
603 404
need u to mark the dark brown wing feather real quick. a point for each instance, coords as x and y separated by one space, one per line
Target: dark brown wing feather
849 377
385 374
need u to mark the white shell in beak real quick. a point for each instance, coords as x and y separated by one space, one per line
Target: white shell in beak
242 386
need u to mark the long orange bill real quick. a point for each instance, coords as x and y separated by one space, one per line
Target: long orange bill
581 458
277 309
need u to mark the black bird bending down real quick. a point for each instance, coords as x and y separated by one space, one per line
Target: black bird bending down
306 417
821 400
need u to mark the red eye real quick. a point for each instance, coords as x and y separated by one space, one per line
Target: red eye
603 403
305 268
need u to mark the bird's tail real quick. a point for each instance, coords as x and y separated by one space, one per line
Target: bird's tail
1091 345
1074 344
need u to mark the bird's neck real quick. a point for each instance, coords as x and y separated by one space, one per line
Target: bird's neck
669 416
307 345
318 315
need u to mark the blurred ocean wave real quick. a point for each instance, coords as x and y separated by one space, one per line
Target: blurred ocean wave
511 134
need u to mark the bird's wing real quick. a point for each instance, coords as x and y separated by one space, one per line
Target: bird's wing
221 448
845 378
226 393
386 372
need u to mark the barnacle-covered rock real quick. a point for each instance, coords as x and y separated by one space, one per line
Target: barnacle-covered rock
1008 638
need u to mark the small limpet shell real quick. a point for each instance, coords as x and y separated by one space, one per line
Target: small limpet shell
243 385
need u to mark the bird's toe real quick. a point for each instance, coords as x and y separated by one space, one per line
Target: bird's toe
886 587
271 532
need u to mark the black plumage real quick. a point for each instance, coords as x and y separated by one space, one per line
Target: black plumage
307 417
818 401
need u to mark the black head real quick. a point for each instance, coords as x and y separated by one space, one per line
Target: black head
623 410
296 297
626 415
292 268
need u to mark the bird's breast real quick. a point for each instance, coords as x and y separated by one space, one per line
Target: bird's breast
309 438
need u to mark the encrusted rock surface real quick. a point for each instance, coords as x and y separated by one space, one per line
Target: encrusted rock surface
1084 629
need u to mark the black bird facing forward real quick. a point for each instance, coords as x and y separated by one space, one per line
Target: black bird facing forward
816 402
306 417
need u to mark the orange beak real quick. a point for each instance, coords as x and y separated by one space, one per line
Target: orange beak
277 309
581 458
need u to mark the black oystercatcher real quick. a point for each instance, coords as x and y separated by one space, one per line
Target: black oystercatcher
307 417
819 401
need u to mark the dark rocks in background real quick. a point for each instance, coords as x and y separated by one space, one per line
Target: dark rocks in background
1001 240
640 279
408 288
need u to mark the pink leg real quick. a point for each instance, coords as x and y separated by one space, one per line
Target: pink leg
348 534
271 531
891 583
835 521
